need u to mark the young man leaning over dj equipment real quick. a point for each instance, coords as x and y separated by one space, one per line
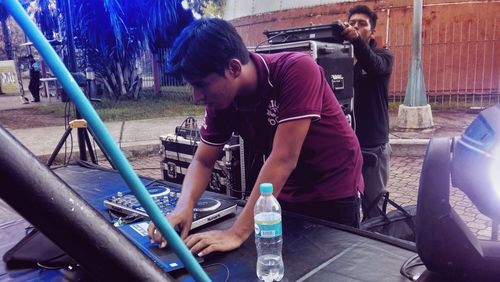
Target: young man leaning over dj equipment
282 105
372 71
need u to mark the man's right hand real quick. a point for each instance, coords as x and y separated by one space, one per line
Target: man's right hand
180 217
349 33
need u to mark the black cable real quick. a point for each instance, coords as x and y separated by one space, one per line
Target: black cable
411 262
28 229
121 219
67 116
70 151
228 272
39 264
95 148
66 125
267 40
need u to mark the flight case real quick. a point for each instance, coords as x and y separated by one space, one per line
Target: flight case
229 173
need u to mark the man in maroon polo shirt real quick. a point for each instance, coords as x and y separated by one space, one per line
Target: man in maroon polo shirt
283 107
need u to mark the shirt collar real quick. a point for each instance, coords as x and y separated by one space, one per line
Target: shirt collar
264 85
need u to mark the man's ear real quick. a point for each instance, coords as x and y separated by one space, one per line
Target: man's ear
372 34
234 67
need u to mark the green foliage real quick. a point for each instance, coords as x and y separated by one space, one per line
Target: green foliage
215 8
210 8
147 108
114 33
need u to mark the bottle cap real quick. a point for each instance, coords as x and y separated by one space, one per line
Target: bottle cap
266 188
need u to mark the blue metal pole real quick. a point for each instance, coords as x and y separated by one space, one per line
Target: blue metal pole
101 133
415 89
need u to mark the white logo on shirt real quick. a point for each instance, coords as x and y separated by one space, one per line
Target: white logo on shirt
272 112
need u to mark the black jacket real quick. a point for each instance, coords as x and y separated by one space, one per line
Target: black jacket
372 72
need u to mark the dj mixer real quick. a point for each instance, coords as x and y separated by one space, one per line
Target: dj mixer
209 207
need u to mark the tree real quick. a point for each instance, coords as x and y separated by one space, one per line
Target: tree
213 8
113 33
4 16
45 14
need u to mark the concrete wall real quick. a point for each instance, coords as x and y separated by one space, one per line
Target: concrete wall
460 38
237 9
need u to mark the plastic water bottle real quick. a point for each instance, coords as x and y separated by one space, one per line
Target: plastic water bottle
268 239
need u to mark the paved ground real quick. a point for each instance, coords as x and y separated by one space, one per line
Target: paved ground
403 188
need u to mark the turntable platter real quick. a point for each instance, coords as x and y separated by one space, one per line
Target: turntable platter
206 204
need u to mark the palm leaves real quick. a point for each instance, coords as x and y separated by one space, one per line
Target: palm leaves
172 15
45 13
113 33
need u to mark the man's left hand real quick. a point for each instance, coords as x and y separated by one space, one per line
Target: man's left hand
205 243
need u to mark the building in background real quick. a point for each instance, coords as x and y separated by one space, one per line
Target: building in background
460 40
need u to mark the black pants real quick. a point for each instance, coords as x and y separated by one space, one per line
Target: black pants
375 175
34 88
344 211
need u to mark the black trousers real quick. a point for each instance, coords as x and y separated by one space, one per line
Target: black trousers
344 211
34 88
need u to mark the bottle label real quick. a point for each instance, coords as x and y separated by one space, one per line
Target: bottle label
268 229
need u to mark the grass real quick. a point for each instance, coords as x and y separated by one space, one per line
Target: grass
175 103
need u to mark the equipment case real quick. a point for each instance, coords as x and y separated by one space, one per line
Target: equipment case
229 173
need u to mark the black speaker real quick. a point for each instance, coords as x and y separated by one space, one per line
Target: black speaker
337 62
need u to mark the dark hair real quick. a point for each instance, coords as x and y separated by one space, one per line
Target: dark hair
206 46
362 9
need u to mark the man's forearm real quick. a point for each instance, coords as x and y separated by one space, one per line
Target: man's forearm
371 61
273 171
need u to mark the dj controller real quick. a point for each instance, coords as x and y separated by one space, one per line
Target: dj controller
209 207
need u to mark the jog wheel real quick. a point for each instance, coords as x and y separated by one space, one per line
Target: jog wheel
157 191
206 204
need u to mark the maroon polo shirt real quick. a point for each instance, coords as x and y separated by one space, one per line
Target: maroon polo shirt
292 86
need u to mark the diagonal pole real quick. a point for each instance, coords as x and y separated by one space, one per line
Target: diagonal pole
110 147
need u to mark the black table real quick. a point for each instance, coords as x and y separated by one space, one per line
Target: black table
313 250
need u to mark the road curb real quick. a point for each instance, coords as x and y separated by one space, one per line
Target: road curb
408 147
400 148
130 151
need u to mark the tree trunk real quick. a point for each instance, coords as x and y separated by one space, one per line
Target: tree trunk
123 91
108 87
6 40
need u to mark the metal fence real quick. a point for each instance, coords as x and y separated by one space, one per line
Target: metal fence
460 62
145 65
